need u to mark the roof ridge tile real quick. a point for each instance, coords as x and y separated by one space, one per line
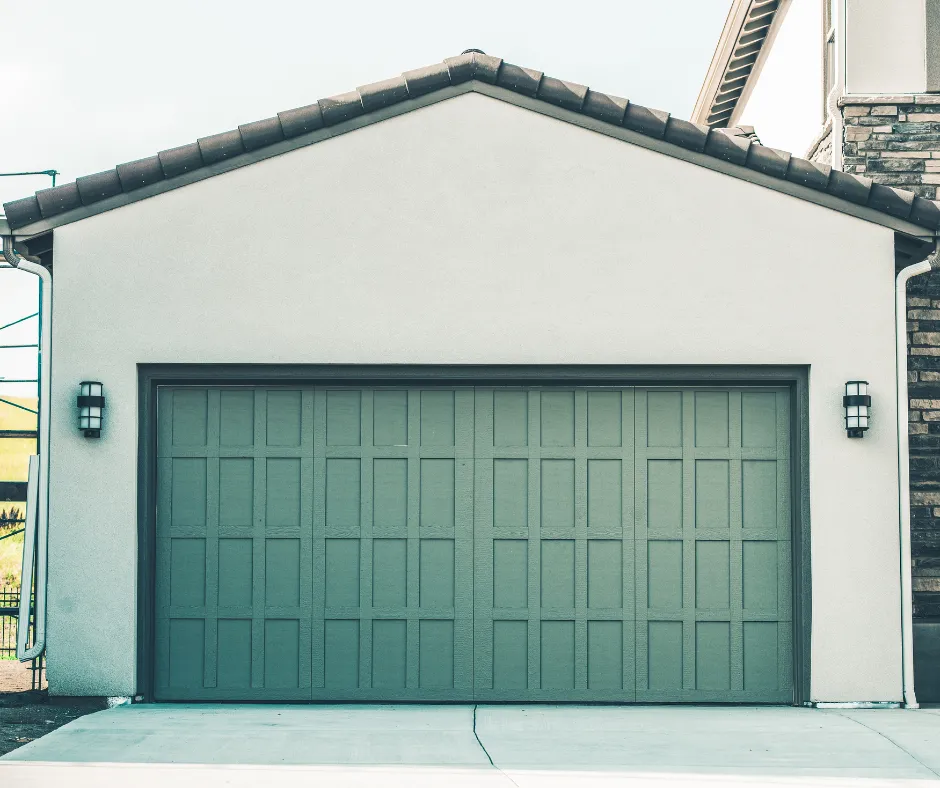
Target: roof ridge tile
727 147
261 133
379 95
686 134
767 160
521 80
569 95
140 173
99 186
344 106
298 121
179 160
426 80
220 146
605 107
646 120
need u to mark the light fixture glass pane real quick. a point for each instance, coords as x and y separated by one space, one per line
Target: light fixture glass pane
851 423
851 389
851 410
863 388
83 423
95 389
94 411
863 421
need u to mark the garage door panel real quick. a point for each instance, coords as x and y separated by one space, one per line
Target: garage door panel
713 593
450 543
553 569
397 543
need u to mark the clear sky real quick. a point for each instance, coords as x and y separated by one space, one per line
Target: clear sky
90 84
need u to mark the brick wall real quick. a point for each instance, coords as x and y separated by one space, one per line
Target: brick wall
895 140
821 150
923 364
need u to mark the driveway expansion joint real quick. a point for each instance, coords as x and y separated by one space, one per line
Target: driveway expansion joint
887 738
488 756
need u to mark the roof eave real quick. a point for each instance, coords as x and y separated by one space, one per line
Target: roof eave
244 159
702 159
728 42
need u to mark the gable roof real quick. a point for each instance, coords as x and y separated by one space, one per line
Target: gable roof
722 150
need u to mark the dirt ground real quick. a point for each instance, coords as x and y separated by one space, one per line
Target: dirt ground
27 714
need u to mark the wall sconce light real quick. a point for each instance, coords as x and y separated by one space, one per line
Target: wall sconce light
90 407
856 403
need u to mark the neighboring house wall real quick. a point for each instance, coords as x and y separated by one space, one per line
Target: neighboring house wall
923 362
785 105
889 127
474 231
821 149
895 140
885 46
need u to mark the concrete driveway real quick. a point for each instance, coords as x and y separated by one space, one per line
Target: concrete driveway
525 746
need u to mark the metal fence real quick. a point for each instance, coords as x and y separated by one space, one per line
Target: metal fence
9 619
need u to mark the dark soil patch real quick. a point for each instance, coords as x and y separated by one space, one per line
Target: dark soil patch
25 716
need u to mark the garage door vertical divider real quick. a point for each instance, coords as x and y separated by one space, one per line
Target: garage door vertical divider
258 525
213 495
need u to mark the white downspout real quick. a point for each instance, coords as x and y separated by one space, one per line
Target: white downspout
45 388
904 474
838 89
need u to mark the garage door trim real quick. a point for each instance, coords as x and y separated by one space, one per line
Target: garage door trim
150 377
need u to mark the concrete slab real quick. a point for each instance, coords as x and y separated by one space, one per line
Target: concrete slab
547 746
916 732
530 747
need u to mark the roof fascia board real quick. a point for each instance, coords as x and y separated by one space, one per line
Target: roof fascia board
510 97
727 43
762 57
716 69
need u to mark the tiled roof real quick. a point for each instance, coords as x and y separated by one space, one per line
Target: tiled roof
250 138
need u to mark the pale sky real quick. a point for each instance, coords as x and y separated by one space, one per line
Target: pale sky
88 85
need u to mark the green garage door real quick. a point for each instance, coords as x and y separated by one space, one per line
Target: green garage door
535 543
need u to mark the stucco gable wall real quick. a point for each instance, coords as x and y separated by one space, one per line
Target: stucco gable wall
473 231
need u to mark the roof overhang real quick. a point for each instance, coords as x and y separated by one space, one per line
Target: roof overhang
736 156
742 50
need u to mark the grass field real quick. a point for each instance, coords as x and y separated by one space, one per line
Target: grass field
11 556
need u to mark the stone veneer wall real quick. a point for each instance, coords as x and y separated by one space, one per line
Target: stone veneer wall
821 149
895 140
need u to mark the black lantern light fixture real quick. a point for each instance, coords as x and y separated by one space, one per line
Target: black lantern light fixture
90 408
856 404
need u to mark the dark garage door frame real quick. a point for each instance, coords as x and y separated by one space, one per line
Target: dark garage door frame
151 376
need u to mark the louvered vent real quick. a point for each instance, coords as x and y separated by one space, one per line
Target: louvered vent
760 16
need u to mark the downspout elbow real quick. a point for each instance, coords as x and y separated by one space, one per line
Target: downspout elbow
14 258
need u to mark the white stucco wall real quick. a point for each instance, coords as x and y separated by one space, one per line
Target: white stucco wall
474 231
885 48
